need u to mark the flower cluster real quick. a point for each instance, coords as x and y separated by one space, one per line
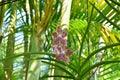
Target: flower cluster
60 45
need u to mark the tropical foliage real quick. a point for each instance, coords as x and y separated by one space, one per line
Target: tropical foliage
89 42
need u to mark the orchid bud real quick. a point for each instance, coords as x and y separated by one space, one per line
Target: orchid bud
69 52
64 34
59 29
54 34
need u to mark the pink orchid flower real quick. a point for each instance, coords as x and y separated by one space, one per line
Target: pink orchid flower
60 45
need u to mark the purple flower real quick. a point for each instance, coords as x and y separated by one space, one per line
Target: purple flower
60 45
62 57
